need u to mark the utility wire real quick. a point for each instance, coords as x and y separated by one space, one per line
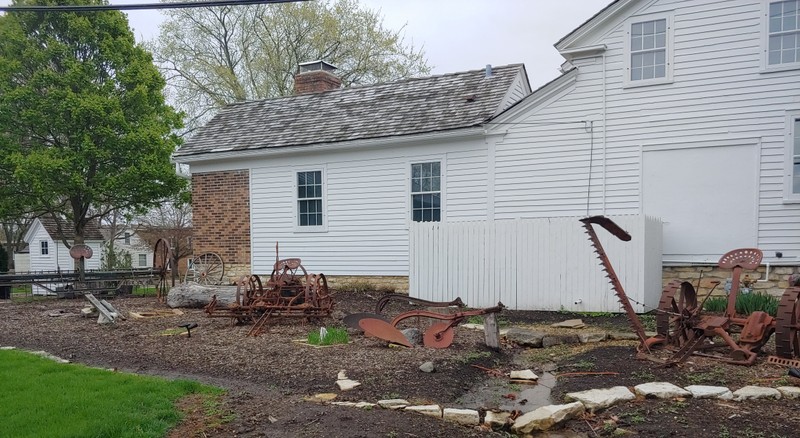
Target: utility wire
139 6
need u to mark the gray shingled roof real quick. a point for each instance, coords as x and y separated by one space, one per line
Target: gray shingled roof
91 232
410 106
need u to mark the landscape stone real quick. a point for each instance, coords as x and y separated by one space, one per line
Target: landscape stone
8 348
590 338
660 390
523 375
570 323
427 367
365 405
472 326
342 375
756 392
347 384
413 334
525 337
320 398
704 391
599 399
395 403
467 417
345 404
623 336
47 355
497 419
552 340
546 417
193 295
429 410
87 312
790 392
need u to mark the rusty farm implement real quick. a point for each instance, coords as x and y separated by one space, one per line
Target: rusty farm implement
683 329
290 291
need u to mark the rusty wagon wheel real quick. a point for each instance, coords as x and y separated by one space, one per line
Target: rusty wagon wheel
208 268
787 325
161 258
677 305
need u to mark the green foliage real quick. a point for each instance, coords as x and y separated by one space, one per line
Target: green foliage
216 56
473 356
583 365
745 303
333 336
115 258
87 401
84 129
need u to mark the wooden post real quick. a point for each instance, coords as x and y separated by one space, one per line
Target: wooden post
492 331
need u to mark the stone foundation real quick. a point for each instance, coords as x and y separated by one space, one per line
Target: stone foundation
777 282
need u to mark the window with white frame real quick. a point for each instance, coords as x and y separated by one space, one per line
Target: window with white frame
142 259
44 247
783 29
793 146
426 192
648 45
309 199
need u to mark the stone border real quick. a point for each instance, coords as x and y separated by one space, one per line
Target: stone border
593 400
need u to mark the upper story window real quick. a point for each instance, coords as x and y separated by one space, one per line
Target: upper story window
309 199
426 192
127 238
783 46
44 247
648 50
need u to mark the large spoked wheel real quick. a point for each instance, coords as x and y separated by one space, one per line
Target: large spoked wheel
160 266
208 268
678 303
787 325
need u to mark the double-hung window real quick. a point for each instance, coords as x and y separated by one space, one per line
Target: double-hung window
44 247
793 155
426 192
783 33
142 259
309 199
648 46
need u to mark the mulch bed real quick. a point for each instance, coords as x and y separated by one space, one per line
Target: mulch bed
269 376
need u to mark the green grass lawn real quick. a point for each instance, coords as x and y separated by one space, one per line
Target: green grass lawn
42 398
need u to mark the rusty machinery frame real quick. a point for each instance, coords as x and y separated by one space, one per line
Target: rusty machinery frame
290 291
682 329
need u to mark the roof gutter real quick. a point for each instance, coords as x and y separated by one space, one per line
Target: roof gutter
375 143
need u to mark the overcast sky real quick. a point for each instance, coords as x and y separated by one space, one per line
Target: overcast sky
460 35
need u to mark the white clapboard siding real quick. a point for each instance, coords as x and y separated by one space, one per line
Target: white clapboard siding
534 264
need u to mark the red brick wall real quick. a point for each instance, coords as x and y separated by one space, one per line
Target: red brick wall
221 215
316 81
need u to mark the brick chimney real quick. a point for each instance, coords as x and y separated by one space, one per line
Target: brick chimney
314 77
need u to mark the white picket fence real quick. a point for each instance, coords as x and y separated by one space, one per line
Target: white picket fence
534 264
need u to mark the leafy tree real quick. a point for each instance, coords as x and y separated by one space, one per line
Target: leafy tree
84 128
215 56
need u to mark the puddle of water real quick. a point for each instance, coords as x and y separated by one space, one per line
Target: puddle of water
490 395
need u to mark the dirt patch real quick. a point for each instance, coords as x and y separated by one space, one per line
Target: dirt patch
268 377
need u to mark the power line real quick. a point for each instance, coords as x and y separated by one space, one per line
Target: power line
139 6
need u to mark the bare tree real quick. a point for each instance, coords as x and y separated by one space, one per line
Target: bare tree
215 56
171 221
